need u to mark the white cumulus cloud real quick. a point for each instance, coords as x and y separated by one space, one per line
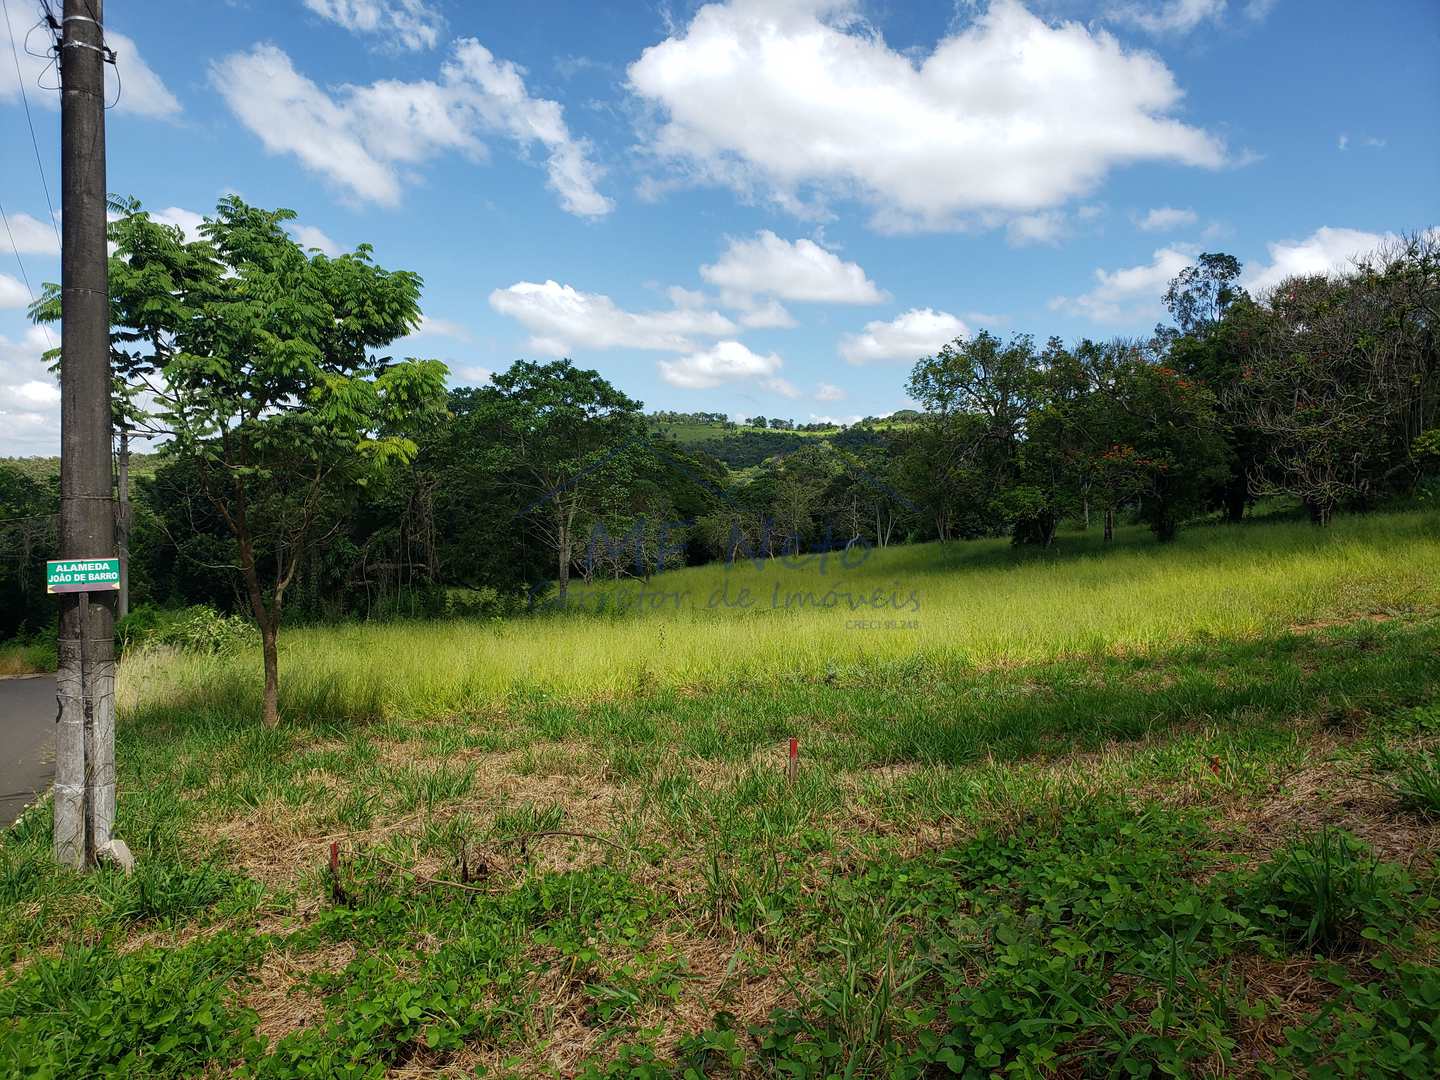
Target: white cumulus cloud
37 393
188 221
561 318
1130 294
1175 18
1047 227
1009 114
770 315
429 324
830 392
726 362
1166 218
29 396
409 25
1325 251
368 139
308 236
470 376
802 270
13 293
1168 17
138 89
906 338
30 236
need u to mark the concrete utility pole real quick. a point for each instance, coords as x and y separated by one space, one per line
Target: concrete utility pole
85 737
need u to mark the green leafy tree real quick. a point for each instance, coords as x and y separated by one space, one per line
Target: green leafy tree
977 394
864 500
1168 444
560 440
1341 376
1210 310
256 361
1198 297
1049 482
28 536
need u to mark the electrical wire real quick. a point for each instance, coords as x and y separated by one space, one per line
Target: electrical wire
5 218
14 247
29 121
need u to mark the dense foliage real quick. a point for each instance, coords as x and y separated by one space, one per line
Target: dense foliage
256 361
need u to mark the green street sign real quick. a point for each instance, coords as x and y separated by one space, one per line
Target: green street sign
82 575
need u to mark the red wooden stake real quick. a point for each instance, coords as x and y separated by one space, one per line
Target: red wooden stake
793 768
335 859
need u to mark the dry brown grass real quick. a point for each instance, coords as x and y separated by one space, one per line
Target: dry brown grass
1316 625
1291 990
1330 792
277 843
279 993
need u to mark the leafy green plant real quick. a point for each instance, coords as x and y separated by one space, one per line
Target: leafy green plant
92 1011
1329 891
163 890
1413 776
1385 1026
197 629
22 657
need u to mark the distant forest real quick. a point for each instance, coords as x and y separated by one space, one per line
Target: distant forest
1325 391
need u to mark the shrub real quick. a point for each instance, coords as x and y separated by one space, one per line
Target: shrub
137 627
198 628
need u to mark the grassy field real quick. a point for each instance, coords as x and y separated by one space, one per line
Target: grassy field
692 432
1138 810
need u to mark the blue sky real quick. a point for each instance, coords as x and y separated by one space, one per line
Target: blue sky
752 207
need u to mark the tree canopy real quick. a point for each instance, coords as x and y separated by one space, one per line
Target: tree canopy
258 362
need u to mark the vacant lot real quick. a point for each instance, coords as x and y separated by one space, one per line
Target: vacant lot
1138 809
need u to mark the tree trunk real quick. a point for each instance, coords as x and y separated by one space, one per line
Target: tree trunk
1109 524
267 619
1237 493
269 632
562 534
1320 510
1166 527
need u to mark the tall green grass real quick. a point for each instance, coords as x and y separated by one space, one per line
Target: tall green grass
952 607
23 659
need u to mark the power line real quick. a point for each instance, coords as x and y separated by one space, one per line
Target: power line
14 247
25 100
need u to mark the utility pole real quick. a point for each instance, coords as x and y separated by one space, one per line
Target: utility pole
85 736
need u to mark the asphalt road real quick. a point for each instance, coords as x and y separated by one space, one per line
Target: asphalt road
27 742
